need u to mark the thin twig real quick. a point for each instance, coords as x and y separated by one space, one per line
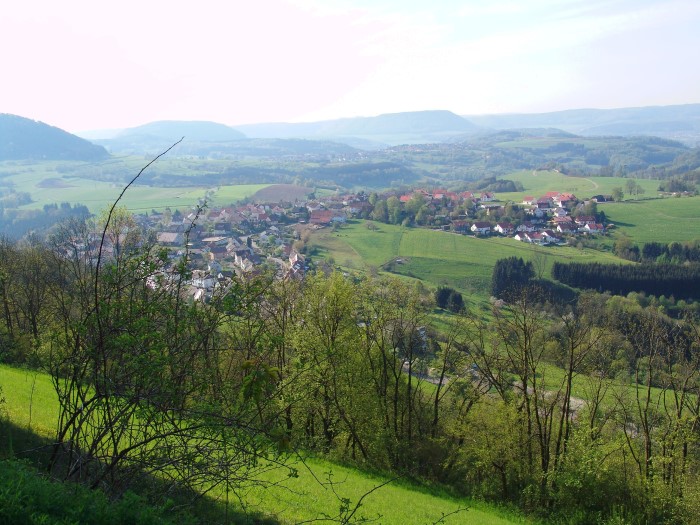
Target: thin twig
109 218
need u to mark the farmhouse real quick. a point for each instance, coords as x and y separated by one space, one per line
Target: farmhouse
527 227
567 227
170 239
460 226
504 228
582 220
481 228
593 228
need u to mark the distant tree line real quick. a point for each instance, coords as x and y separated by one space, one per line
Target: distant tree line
674 253
513 276
681 281
16 224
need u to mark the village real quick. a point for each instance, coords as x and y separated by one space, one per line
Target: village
250 238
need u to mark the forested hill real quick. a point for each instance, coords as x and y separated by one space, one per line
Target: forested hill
679 122
391 128
195 130
25 139
501 152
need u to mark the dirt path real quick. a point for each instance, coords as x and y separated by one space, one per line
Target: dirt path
595 184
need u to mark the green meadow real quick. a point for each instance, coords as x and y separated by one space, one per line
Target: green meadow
660 220
537 183
437 257
30 403
52 182
229 194
99 195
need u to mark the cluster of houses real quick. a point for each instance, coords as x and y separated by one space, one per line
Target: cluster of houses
551 221
450 196
248 238
548 220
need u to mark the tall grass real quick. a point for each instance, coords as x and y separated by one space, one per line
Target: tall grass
308 496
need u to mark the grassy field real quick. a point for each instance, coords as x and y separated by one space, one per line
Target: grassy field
537 183
99 195
77 182
660 220
31 403
30 400
398 503
436 257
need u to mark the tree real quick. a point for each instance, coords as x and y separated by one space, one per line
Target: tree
617 194
144 380
380 212
455 302
442 295
510 276
394 210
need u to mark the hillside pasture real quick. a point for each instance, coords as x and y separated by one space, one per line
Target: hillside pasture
99 195
536 183
281 192
97 185
31 403
437 257
656 220
225 195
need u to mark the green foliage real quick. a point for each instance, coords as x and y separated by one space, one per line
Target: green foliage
510 277
681 281
23 138
442 294
449 298
214 396
27 497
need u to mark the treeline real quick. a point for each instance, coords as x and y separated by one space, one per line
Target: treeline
221 395
16 223
680 281
418 210
674 253
511 277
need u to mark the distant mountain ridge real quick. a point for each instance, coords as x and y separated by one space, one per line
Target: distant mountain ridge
679 122
193 130
388 129
154 137
25 139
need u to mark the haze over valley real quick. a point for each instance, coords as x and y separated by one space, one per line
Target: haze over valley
298 261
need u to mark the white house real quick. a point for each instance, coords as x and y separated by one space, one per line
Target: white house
504 228
481 228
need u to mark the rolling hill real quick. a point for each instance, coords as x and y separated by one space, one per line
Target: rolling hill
679 122
196 131
391 128
25 139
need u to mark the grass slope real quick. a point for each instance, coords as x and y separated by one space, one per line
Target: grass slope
439 258
660 220
295 499
398 503
537 183
51 182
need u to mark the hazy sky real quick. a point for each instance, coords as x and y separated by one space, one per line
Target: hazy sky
87 64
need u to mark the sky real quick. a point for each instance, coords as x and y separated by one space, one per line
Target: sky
85 65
